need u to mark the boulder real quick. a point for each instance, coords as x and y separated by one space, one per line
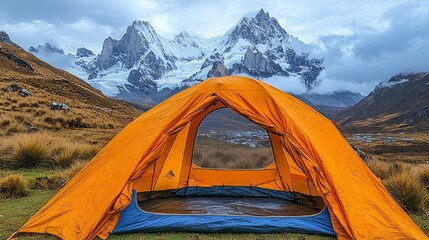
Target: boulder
59 106
24 92
12 88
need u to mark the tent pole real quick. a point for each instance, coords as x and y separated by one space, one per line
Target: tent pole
151 181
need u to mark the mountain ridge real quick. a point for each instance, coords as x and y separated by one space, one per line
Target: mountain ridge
142 63
400 103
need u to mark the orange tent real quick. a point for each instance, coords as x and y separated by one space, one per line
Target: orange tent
311 157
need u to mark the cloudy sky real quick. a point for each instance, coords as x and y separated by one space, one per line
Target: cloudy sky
362 42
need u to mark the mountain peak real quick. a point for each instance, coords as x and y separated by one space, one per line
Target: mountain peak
84 52
4 37
137 23
258 28
142 26
260 14
46 48
183 34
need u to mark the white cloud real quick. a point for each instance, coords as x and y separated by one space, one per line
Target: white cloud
359 61
362 42
288 84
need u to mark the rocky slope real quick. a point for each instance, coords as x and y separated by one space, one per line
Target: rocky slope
399 104
87 107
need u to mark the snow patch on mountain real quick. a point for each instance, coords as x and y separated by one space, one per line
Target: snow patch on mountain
387 84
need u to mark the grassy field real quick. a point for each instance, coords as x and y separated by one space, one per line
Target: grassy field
81 144
16 211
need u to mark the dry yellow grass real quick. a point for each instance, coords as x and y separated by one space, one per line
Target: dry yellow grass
408 191
23 114
407 147
43 148
405 182
232 157
423 175
69 173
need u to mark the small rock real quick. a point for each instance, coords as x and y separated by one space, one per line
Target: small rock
55 106
24 92
60 106
33 129
12 88
64 106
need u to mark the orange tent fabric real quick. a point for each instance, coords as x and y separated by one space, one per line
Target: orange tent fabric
309 145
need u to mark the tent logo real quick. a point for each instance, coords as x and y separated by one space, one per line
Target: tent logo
169 175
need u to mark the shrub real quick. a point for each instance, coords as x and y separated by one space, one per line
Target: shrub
408 191
30 152
13 186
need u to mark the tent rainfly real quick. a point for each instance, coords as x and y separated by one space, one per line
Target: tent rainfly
143 180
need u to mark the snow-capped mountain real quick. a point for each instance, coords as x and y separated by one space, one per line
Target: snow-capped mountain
78 63
143 66
47 48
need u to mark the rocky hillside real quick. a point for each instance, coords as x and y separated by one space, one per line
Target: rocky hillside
41 96
398 104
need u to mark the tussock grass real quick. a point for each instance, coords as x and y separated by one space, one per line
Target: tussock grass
384 170
423 176
64 158
13 186
408 191
242 163
29 151
15 127
70 172
232 158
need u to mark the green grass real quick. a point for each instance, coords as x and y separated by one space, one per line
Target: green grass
215 236
15 212
29 174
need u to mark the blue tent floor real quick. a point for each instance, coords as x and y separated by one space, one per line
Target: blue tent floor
222 214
